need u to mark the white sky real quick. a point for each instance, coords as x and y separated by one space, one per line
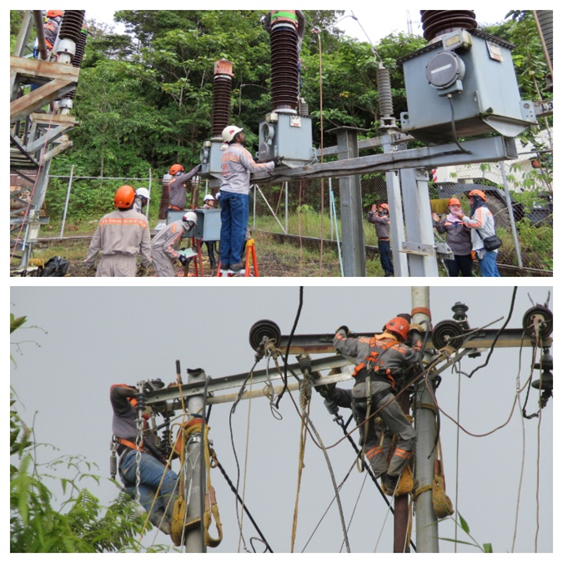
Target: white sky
376 23
97 336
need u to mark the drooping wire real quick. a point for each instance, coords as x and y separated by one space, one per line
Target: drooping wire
233 408
454 133
289 345
497 335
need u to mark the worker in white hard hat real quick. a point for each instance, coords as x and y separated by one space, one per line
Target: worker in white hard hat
237 165
142 197
164 247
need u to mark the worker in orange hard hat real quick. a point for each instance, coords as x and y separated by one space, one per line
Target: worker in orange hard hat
380 218
383 365
177 188
458 238
51 27
120 237
484 239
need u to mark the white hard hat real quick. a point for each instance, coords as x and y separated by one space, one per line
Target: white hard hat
143 192
208 197
190 216
229 133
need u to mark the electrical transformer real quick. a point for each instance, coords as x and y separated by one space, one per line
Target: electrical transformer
462 85
288 135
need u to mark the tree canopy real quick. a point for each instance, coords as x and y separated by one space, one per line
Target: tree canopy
144 97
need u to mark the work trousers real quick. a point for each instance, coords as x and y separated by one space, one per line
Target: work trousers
234 221
117 266
489 264
152 472
460 264
385 257
376 440
163 264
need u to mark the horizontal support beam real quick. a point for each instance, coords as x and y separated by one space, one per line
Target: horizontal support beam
322 343
22 107
366 144
490 149
37 68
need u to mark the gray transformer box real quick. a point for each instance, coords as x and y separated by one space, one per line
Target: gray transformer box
467 78
288 135
208 224
210 157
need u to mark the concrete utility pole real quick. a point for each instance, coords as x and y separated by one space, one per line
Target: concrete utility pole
426 521
194 480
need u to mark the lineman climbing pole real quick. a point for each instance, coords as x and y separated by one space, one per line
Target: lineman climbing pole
454 337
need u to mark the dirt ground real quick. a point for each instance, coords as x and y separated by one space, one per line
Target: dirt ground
274 259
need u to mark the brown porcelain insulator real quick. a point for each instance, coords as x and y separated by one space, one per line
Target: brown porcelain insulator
221 110
437 22
72 25
284 66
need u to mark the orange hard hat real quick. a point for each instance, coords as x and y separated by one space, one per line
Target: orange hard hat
55 13
124 197
454 201
479 193
384 206
399 327
175 168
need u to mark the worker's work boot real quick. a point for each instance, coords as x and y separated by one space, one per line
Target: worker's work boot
389 483
236 267
162 522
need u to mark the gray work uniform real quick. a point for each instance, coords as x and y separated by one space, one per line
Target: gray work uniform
387 368
120 236
164 247
237 166
177 188
382 224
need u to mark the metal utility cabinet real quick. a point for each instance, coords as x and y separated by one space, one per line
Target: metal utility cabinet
462 85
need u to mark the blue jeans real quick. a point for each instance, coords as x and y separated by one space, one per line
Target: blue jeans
489 265
234 222
385 256
151 475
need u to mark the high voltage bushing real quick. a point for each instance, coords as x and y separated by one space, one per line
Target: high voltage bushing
437 22
284 60
222 86
72 25
384 89
79 54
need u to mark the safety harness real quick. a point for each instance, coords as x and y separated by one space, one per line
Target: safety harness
371 365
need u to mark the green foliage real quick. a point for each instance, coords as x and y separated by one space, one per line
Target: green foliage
80 524
485 548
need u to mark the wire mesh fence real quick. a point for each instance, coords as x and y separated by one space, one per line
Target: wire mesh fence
523 212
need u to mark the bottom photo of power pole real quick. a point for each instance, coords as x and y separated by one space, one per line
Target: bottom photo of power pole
281 419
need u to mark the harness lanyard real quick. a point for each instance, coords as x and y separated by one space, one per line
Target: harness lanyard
367 421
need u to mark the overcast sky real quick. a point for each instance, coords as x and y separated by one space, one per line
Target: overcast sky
96 336
362 20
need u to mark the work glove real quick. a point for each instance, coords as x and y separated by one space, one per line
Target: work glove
345 329
183 260
278 160
417 327
327 391
331 407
